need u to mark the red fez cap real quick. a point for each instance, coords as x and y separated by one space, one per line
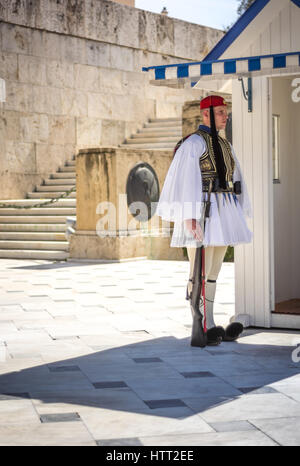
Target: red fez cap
212 101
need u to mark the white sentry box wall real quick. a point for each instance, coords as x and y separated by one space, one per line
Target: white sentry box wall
254 262
287 198
274 30
252 139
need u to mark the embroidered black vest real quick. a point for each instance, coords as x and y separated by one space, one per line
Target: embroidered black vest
208 164
207 160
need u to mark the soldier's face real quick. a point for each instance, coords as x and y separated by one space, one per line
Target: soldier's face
221 117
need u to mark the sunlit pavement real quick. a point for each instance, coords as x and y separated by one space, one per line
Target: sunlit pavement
99 354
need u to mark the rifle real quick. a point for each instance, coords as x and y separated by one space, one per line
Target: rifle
199 330
199 337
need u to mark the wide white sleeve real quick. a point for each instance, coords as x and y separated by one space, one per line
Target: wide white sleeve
243 198
181 196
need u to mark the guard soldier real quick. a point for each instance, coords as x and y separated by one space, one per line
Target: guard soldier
205 186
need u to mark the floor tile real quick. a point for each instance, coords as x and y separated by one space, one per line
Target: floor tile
244 407
180 387
119 399
110 424
60 417
257 390
254 438
173 403
116 384
146 360
17 412
191 375
63 368
285 431
48 434
123 442
233 426
13 396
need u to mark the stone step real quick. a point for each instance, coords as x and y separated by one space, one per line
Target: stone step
31 236
36 211
64 175
13 219
65 181
162 124
178 119
48 195
153 140
36 245
155 134
159 129
33 227
31 202
39 232
67 169
33 254
163 146
53 188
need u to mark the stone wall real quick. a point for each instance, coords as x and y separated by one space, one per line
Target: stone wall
125 2
74 80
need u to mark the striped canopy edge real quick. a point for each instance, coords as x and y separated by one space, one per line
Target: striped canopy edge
259 65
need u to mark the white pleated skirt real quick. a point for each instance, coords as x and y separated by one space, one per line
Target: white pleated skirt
225 226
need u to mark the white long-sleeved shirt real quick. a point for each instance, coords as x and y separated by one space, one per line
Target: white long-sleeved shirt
182 198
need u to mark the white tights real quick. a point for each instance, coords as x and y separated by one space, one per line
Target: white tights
214 256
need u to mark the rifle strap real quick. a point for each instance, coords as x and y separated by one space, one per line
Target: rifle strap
203 289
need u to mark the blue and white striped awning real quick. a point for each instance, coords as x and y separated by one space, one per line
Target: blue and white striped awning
183 74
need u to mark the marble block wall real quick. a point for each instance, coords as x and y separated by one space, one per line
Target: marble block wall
73 79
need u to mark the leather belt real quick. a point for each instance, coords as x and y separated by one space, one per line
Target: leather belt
204 190
213 186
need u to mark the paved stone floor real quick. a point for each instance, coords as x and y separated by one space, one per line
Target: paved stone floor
99 354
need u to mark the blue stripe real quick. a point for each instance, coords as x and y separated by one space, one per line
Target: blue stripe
237 29
279 61
230 67
297 2
254 64
160 73
207 64
183 71
205 69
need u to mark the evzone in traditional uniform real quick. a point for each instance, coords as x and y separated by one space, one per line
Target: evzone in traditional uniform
205 195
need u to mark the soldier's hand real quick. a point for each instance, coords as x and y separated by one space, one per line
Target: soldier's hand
194 228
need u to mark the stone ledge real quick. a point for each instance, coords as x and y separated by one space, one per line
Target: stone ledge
100 21
92 247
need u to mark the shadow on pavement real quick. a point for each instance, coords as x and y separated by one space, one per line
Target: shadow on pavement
155 374
63 265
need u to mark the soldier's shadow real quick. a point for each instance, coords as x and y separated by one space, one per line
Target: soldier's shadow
160 377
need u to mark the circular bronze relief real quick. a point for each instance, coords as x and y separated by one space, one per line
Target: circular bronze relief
142 186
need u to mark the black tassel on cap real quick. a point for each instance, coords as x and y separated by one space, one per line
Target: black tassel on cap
221 167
